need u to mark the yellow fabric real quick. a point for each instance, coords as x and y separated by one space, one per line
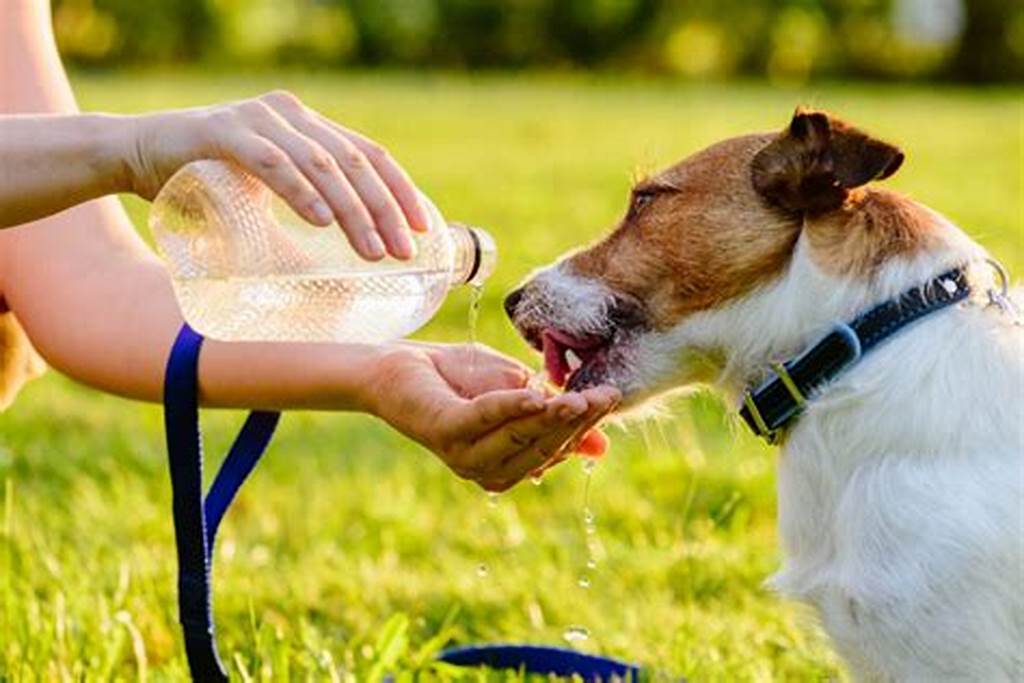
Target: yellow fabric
19 362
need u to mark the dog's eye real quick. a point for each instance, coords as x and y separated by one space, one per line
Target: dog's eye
640 200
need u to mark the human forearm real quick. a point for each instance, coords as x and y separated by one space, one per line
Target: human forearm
101 309
51 162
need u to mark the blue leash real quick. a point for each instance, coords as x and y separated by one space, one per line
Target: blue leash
196 520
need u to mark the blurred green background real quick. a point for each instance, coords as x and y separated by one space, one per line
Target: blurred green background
784 40
353 552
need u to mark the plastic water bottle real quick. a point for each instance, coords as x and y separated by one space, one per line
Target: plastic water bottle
245 267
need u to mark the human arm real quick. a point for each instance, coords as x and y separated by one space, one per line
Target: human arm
99 305
49 162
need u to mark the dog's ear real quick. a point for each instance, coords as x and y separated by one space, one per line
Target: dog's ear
814 163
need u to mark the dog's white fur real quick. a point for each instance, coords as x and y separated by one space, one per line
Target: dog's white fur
901 486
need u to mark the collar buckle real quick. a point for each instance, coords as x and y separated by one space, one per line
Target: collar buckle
756 419
769 408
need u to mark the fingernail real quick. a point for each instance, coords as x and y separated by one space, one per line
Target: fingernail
421 217
405 246
374 246
322 212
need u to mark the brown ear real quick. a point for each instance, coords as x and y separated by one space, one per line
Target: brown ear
812 165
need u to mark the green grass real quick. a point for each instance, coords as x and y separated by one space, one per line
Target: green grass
353 551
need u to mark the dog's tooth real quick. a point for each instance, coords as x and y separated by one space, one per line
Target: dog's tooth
572 359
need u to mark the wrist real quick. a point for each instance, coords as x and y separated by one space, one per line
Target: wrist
114 144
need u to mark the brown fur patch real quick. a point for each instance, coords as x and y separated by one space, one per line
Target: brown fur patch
725 220
872 227
697 235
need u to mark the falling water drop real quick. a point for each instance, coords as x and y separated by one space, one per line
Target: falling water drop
482 570
584 581
538 380
591 563
576 633
537 480
492 499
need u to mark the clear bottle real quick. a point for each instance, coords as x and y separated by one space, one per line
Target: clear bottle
245 267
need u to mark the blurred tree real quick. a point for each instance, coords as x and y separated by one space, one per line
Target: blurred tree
147 31
589 32
991 47
788 40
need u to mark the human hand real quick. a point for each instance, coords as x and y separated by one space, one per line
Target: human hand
324 171
471 406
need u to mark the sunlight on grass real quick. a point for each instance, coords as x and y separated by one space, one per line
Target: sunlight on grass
352 552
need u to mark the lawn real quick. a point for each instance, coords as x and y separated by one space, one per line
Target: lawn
353 551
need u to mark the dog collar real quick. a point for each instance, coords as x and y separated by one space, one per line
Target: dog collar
770 408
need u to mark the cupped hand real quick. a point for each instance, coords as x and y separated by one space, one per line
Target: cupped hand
323 170
472 407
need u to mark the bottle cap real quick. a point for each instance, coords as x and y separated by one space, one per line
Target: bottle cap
485 256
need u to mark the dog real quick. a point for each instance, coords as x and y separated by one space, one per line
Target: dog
901 475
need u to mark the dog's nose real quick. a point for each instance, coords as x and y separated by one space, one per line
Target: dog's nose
511 301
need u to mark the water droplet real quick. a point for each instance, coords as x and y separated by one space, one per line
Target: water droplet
575 633
537 480
584 581
591 563
492 499
538 380
588 465
588 516
482 570
590 529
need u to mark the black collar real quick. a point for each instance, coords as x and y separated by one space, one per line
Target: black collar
773 405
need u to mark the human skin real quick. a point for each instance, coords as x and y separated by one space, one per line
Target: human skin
98 304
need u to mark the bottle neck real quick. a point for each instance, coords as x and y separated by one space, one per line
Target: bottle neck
474 259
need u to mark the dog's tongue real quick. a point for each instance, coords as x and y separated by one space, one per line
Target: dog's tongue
554 344
554 359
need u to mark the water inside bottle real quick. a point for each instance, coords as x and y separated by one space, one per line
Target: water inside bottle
353 307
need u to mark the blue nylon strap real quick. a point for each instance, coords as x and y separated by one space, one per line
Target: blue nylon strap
769 408
250 444
543 660
195 520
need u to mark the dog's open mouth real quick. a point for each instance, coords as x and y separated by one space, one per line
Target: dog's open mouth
572 360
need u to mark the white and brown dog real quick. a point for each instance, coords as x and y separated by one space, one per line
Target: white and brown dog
901 482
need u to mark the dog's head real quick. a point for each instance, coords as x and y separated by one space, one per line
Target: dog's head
700 236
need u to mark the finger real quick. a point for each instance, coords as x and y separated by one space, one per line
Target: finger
393 175
515 436
274 167
382 204
474 369
478 416
541 456
560 442
587 440
321 167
